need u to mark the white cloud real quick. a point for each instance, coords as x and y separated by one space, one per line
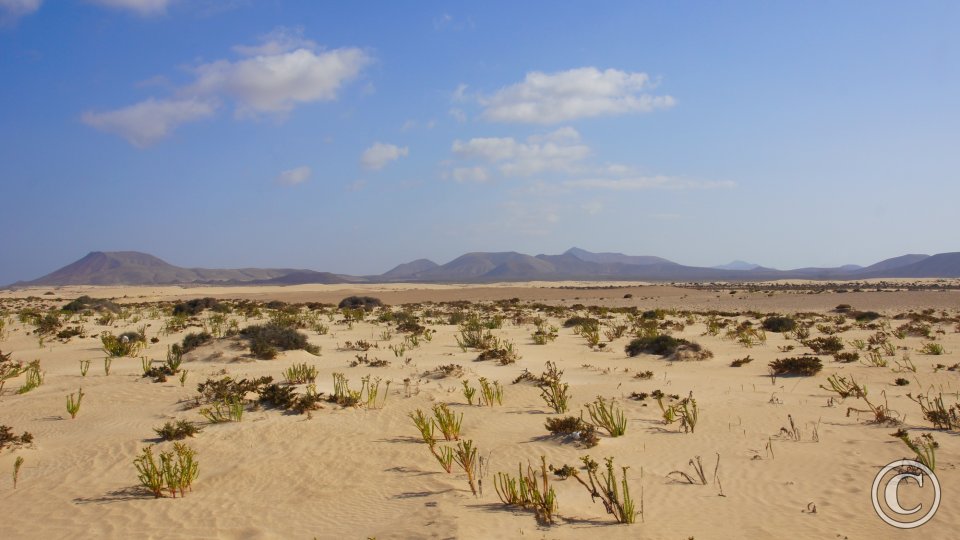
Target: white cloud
14 9
377 156
470 174
140 7
550 98
277 83
458 115
145 123
634 183
280 40
557 151
294 176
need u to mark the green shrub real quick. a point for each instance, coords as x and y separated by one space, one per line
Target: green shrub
175 431
580 321
197 305
266 339
367 303
193 340
802 366
779 324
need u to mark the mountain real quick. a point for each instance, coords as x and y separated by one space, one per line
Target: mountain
737 265
641 260
944 265
409 270
134 268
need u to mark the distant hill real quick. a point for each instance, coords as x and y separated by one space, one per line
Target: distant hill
410 269
737 265
134 268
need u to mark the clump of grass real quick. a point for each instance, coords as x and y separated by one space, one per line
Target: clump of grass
9 369
932 348
614 494
301 374
846 357
175 472
360 302
448 421
228 410
924 446
342 394
527 491
194 340
697 465
608 416
176 431
490 394
801 366
34 377
553 390
73 404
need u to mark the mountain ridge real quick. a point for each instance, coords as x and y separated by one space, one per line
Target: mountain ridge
137 268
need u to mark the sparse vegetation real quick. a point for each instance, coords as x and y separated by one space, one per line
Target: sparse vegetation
799 366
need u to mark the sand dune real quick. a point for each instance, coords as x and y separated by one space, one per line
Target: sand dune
358 473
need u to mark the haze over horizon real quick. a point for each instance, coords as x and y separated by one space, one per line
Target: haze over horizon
353 137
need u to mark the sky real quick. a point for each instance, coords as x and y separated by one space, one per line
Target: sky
353 136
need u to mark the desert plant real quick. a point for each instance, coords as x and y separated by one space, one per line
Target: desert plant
924 446
301 374
149 472
9 369
490 394
228 410
425 426
528 491
370 390
554 392
34 377
73 405
7 438
937 412
845 387
608 416
175 471
468 391
741 361
16 470
779 324
448 422
697 464
615 495
125 345
175 431
342 394
107 363
803 366
466 455
932 348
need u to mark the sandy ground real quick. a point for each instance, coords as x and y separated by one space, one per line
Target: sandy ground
357 473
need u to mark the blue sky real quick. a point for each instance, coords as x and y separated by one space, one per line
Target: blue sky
352 136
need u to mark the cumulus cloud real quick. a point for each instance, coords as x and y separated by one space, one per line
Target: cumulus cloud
294 176
556 151
140 7
377 156
11 10
276 83
283 71
634 183
470 174
280 40
145 123
551 98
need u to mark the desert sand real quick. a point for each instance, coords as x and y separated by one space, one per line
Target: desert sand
353 472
